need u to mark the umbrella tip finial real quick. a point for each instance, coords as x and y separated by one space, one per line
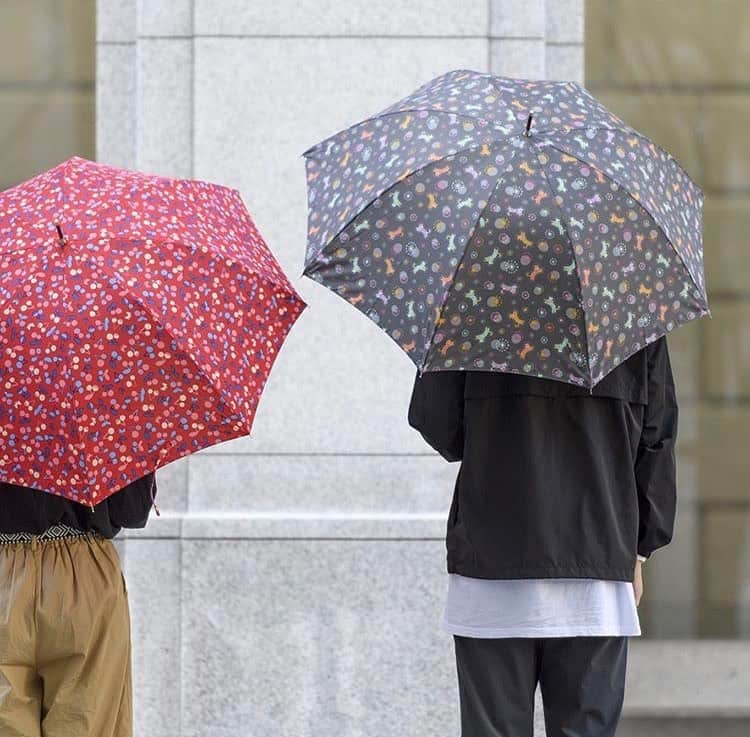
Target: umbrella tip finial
60 237
528 124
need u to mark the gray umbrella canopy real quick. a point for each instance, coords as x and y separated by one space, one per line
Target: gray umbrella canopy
498 224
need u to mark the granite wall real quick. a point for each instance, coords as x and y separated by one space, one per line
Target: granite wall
293 584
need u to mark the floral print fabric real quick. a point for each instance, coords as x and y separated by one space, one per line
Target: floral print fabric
487 223
139 318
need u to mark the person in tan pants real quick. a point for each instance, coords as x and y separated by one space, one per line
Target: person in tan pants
65 653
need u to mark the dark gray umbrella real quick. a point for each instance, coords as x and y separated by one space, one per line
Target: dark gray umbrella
507 225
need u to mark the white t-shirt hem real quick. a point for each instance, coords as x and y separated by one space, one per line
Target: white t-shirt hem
561 631
488 608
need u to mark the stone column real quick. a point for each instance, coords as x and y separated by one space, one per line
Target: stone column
537 39
293 584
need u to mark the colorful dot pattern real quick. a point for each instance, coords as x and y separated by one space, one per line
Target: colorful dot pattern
147 335
555 252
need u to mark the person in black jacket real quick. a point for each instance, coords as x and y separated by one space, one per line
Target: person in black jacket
64 623
561 494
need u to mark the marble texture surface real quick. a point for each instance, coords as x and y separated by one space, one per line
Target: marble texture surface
116 104
172 486
154 578
294 92
287 484
683 679
306 637
164 18
518 57
444 18
517 18
321 526
564 62
293 584
564 21
165 106
115 21
361 661
336 363
683 727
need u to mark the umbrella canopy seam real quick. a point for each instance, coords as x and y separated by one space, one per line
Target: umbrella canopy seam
429 345
125 291
400 225
390 187
563 130
566 226
639 203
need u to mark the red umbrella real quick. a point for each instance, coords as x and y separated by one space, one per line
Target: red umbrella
139 320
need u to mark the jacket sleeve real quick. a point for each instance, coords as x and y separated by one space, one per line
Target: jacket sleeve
655 468
130 507
437 411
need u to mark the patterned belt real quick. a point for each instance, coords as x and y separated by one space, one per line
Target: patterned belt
56 532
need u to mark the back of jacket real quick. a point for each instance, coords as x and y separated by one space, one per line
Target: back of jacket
25 509
555 480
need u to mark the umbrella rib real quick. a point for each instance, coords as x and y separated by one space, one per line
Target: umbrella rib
499 180
76 425
493 142
17 288
314 262
566 131
564 220
392 113
117 279
283 291
641 205
385 191
38 271
276 279
229 262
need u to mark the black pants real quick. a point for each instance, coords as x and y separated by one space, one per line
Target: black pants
582 680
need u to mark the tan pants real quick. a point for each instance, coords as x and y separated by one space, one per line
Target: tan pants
64 640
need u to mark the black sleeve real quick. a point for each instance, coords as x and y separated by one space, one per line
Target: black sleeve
437 411
655 468
130 507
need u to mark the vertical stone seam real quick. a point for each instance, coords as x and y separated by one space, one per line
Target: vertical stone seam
191 169
490 11
180 626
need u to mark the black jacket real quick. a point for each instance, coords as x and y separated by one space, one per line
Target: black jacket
23 509
555 480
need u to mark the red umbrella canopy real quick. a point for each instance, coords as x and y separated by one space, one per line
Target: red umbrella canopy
140 317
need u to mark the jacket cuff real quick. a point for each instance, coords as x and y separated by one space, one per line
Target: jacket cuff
642 557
